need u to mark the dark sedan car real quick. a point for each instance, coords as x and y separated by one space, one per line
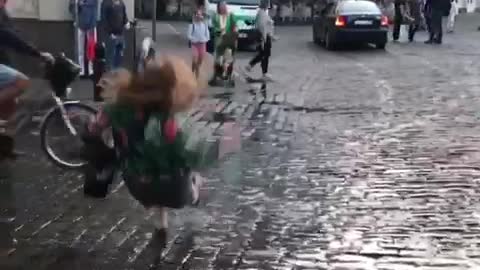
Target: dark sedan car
350 21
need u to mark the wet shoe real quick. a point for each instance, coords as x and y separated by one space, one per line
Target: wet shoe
160 237
197 182
267 77
213 82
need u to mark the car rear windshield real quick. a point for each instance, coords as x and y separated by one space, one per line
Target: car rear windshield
353 7
239 2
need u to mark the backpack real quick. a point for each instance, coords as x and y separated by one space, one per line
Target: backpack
173 191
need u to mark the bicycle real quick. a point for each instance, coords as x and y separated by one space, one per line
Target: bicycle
67 112
64 115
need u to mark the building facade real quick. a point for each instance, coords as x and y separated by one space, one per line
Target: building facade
283 11
49 25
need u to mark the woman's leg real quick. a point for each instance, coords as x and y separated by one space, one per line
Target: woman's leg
160 217
258 57
197 182
195 57
412 29
201 54
12 85
267 48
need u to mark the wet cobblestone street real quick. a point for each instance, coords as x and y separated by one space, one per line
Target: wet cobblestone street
354 159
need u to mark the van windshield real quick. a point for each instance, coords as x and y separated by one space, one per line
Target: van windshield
239 2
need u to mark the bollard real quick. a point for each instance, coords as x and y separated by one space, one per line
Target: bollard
99 68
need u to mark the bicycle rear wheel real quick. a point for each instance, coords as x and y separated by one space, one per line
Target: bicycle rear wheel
61 146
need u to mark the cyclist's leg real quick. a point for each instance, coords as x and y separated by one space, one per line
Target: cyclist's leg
12 85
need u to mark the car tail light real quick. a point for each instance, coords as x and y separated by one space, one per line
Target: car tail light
384 21
340 21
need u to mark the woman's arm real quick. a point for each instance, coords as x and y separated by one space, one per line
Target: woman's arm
189 32
99 123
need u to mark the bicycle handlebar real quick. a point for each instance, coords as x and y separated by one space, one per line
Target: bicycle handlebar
61 73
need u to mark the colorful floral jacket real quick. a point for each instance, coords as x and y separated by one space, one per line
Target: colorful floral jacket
152 144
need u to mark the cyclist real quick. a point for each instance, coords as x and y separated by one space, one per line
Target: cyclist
12 82
225 37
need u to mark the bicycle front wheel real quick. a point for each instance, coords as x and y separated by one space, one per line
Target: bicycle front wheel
59 144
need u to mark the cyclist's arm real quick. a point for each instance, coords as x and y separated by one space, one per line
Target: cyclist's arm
10 39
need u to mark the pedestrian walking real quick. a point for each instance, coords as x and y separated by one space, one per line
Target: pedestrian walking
198 36
157 158
115 22
415 17
226 39
427 14
452 17
264 26
398 19
439 9
86 13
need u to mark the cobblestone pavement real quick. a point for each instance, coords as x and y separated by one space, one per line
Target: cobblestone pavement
354 159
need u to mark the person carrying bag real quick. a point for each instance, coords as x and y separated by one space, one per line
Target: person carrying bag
155 155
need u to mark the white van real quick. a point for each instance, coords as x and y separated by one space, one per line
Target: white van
245 12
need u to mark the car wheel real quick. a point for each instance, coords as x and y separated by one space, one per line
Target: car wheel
381 46
329 44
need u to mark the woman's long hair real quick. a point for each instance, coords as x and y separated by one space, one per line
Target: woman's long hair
167 84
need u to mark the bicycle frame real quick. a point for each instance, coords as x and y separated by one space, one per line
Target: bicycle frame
61 105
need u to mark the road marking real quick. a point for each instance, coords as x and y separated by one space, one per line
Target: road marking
139 249
119 186
104 236
129 234
78 237
77 188
46 224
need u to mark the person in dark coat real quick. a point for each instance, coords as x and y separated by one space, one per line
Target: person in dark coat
427 14
438 10
398 18
415 13
115 22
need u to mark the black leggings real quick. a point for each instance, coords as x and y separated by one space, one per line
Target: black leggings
263 55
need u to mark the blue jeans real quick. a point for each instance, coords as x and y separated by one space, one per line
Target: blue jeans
8 76
115 47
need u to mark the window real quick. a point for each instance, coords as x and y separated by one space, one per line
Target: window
358 7
239 2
